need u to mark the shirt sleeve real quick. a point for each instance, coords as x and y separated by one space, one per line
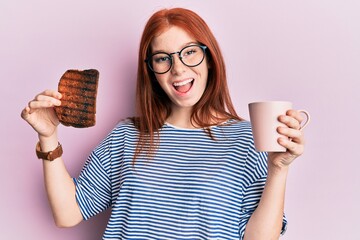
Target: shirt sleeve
257 174
93 186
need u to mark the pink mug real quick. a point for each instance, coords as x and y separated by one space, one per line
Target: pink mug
264 122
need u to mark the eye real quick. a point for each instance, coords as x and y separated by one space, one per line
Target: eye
190 51
160 58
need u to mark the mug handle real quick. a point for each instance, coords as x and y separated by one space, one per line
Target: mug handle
307 114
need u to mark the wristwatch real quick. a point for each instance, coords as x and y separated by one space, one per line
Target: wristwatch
50 156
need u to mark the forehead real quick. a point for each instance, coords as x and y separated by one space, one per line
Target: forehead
171 39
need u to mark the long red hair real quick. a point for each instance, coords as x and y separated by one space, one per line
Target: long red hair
152 103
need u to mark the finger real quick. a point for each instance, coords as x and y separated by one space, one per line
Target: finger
293 147
295 114
44 101
290 121
294 134
51 93
46 98
35 105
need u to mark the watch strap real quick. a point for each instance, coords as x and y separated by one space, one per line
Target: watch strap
51 155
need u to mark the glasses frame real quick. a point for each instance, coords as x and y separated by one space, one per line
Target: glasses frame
148 60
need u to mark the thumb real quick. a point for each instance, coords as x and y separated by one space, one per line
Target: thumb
25 113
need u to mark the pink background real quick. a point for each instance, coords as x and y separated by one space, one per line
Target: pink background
304 51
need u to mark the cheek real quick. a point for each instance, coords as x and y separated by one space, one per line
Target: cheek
161 81
204 73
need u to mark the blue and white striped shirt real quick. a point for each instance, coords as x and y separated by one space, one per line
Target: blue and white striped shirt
193 188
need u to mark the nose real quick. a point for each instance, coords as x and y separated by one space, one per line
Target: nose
177 65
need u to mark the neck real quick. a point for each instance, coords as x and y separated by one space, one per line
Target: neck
181 117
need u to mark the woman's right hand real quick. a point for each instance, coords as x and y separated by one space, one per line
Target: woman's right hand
40 113
59 184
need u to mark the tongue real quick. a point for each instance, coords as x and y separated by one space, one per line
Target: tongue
183 88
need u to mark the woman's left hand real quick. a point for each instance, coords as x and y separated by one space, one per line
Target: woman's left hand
292 139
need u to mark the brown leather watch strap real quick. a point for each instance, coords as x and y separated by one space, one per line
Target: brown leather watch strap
50 156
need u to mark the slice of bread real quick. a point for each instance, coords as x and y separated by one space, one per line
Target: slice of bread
78 102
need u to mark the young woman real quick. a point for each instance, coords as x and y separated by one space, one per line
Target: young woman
183 168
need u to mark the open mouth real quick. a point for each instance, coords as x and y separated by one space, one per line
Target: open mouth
183 86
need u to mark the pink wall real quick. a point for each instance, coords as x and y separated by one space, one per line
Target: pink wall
305 51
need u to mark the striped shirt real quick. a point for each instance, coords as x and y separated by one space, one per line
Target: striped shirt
195 187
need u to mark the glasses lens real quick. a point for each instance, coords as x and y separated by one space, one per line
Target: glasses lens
160 62
192 55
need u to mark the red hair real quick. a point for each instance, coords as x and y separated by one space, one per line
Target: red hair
152 103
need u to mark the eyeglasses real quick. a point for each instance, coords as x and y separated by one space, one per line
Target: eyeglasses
191 56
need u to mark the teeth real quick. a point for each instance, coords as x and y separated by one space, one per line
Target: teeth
178 84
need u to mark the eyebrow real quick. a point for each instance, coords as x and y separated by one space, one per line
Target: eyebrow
183 46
